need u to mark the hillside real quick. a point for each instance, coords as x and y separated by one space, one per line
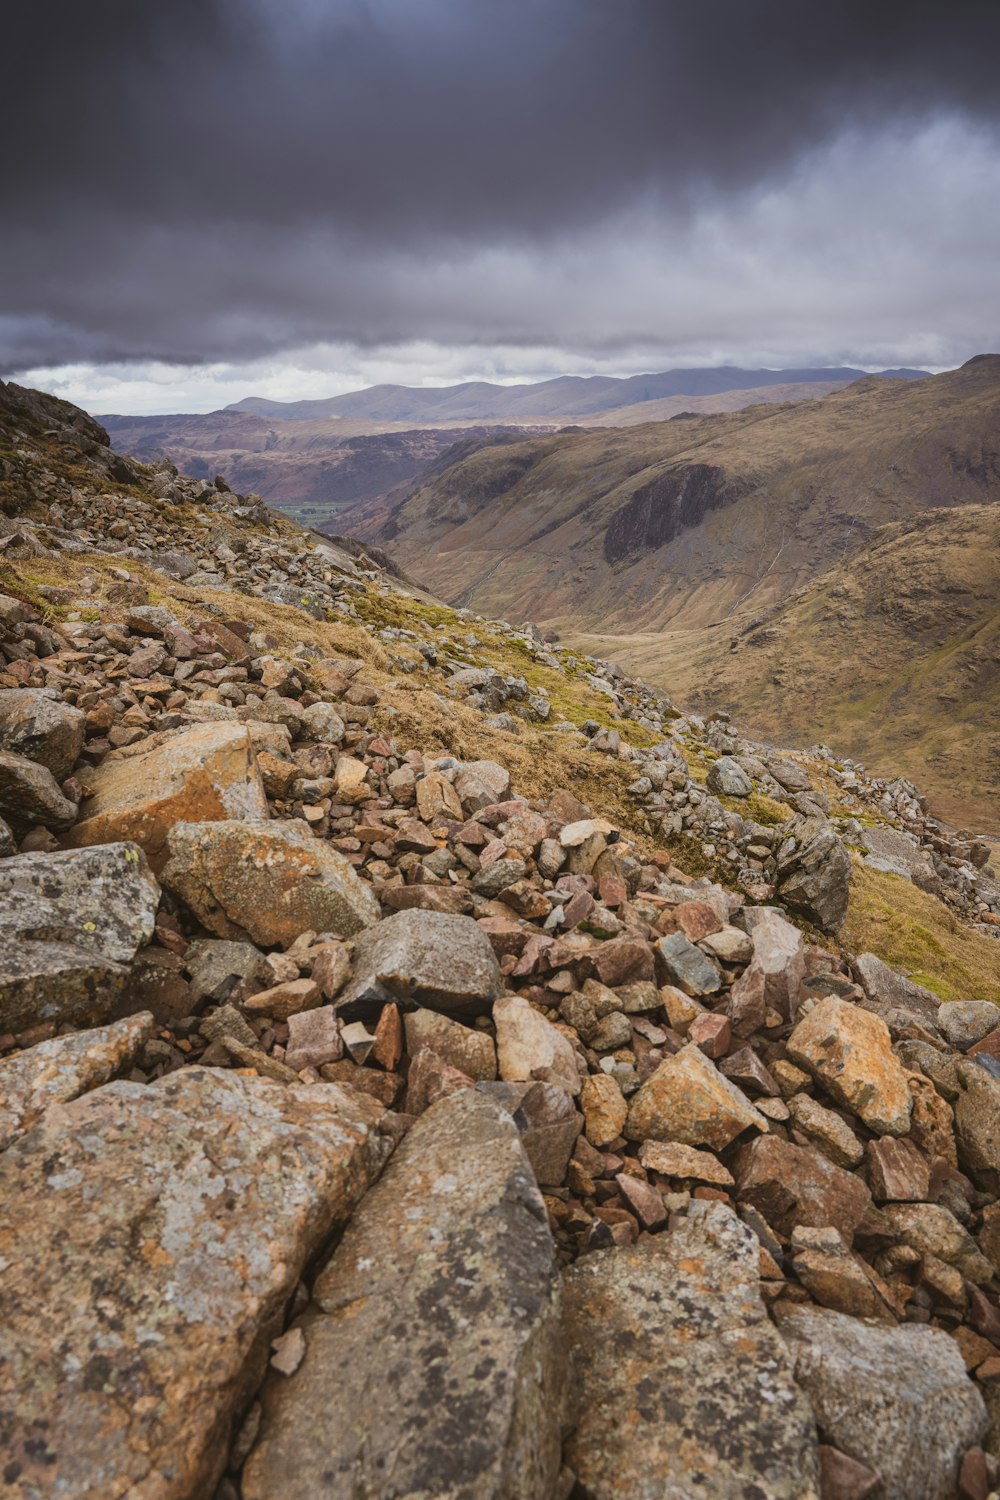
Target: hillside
392 1001
564 399
330 473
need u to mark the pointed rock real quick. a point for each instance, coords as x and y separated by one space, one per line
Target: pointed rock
434 1362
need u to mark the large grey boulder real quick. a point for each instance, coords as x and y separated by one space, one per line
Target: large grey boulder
814 872
888 990
69 923
727 778
895 1399
685 1387
35 722
434 1363
428 958
169 1226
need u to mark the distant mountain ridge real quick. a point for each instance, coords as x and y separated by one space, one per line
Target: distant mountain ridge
568 396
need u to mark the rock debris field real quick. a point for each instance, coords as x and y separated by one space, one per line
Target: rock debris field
370 1129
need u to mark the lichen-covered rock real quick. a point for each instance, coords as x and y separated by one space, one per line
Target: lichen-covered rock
814 872
266 882
35 722
895 1399
202 774
430 958
169 1226
63 1069
685 1387
434 1361
69 923
687 1099
850 1052
29 793
727 778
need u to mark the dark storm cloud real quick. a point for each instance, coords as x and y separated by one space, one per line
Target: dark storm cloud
209 178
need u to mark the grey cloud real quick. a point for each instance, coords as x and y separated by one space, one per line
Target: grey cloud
212 178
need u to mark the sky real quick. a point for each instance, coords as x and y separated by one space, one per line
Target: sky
209 199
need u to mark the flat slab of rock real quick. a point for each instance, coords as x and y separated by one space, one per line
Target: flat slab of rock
64 1068
268 882
434 1361
69 923
687 1099
169 1226
895 1399
430 958
685 1387
203 774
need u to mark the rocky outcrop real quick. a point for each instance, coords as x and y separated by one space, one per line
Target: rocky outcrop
433 1362
169 1226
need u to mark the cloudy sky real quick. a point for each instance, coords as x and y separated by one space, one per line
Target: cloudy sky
208 199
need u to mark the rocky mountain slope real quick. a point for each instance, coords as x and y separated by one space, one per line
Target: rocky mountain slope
663 545
568 398
333 474
431 1063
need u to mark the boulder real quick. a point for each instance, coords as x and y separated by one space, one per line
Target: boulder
773 978
547 1120
965 1022
69 923
655 1330
687 1099
266 882
887 989
895 1399
201 775
169 1227
434 1362
56 1071
682 964
814 872
29 793
793 1185
849 1051
434 959
727 778
36 723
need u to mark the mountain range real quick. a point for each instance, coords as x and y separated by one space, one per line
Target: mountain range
338 464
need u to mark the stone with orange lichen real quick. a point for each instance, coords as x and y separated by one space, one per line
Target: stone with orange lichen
202 774
268 882
169 1226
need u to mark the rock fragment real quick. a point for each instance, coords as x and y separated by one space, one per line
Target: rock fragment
687 1099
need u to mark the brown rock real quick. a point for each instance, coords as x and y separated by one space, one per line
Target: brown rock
687 1099
430 1078
792 1185
529 1047
646 1203
169 1227
268 882
834 1277
843 1478
849 1051
283 1000
201 774
437 798
897 1171
672 1159
313 1038
604 1109
34 722
471 1052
